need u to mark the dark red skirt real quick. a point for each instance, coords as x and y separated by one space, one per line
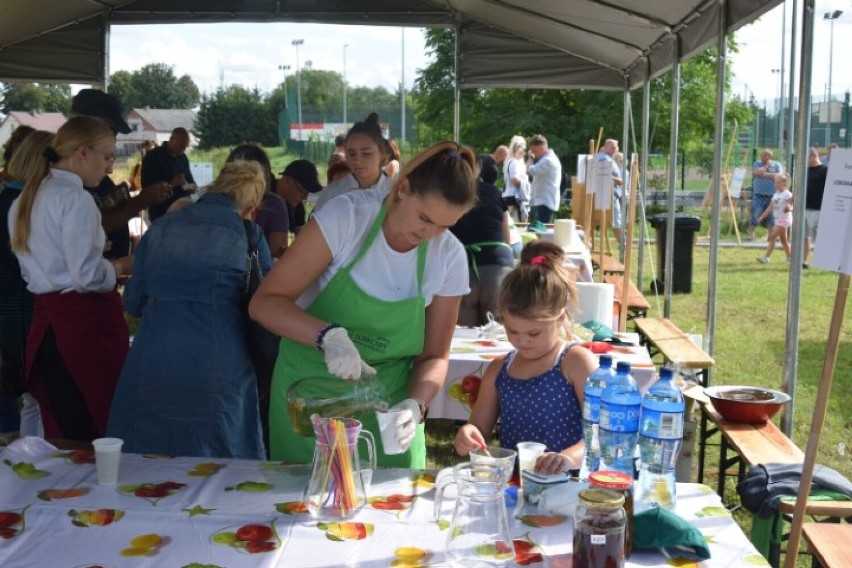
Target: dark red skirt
92 338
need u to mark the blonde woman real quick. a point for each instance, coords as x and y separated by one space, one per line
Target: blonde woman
516 194
188 386
373 285
78 339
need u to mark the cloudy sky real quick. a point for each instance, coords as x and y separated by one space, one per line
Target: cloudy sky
249 54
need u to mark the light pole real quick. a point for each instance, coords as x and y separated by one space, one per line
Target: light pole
297 43
830 16
285 68
345 45
780 109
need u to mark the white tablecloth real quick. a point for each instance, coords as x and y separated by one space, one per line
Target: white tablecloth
68 521
470 356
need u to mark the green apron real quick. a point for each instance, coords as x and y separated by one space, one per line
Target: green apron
474 248
388 335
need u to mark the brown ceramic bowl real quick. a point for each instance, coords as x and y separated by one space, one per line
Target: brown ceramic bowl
747 405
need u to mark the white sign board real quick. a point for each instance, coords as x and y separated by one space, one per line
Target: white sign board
600 183
737 180
835 217
581 167
202 173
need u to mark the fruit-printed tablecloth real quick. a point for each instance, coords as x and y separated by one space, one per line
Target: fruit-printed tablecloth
470 356
190 512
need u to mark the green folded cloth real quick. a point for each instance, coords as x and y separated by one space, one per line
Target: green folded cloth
602 332
661 528
537 227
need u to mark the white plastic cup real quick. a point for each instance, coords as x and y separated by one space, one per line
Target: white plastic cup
107 459
387 429
528 453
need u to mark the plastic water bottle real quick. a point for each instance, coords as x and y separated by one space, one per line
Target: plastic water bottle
660 439
619 421
595 385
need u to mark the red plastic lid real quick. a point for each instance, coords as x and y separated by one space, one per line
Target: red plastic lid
616 480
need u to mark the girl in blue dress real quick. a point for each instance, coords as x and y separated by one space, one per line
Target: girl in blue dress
536 391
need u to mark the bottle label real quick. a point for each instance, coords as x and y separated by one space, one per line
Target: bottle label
598 539
591 408
619 417
662 425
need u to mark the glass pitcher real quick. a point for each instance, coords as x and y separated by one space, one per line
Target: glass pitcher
337 487
332 397
479 532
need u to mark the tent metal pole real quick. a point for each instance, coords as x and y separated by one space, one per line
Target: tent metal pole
457 89
794 286
105 51
625 168
643 170
716 208
668 272
791 107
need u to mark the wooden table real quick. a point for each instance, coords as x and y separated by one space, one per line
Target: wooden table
830 543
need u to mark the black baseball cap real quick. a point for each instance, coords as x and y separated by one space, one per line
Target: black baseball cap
92 102
304 172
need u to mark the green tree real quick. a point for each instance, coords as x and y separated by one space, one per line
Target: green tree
35 97
156 86
235 115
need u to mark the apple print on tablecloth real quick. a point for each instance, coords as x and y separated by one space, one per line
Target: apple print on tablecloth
77 457
146 545
251 487
26 470
542 521
395 503
422 480
339 532
70 493
249 539
12 523
410 557
527 551
292 508
466 389
153 492
95 518
205 469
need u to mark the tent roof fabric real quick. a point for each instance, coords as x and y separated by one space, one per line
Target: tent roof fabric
608 44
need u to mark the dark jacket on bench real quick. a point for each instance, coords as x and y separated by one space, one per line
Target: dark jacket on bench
765 485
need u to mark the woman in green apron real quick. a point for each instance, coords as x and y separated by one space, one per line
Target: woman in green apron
373 285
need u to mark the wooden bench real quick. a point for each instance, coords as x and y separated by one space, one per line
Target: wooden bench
610 265
830 543
663 337
637 305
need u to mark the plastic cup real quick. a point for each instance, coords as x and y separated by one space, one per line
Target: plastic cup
387 429
107 459
498 457
528 453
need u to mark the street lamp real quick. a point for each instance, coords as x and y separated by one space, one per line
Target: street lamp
345 45
830 16
297 43
285 68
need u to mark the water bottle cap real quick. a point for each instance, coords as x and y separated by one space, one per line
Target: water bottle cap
606 360
623 367
666 372
610 479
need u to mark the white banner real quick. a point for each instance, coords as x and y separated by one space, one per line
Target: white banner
835 217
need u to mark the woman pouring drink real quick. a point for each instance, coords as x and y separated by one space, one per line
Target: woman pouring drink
373 286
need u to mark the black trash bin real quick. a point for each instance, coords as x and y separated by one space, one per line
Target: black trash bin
684 237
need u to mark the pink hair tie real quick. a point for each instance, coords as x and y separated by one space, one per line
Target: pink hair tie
538 259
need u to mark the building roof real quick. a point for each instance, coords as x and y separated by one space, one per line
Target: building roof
166 120
50 121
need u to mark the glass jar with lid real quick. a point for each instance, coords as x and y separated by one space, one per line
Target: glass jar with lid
622 483
599 525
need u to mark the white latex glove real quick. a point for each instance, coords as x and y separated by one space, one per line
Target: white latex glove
406 424
342 357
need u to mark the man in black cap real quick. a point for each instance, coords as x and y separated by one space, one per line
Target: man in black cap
169 164
114 201
298 179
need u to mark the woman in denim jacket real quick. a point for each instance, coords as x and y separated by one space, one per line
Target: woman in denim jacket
188 386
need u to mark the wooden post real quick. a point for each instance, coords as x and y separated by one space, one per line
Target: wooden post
628 242
818 419
588 206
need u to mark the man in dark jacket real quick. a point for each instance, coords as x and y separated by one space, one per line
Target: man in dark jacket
168 163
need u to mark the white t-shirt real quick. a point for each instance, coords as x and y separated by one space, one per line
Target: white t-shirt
382 272
66 240
346 184
780 199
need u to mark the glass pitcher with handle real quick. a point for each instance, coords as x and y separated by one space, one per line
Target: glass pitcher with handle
479 531
337 486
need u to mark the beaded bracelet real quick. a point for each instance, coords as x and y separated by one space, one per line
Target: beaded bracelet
321 334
